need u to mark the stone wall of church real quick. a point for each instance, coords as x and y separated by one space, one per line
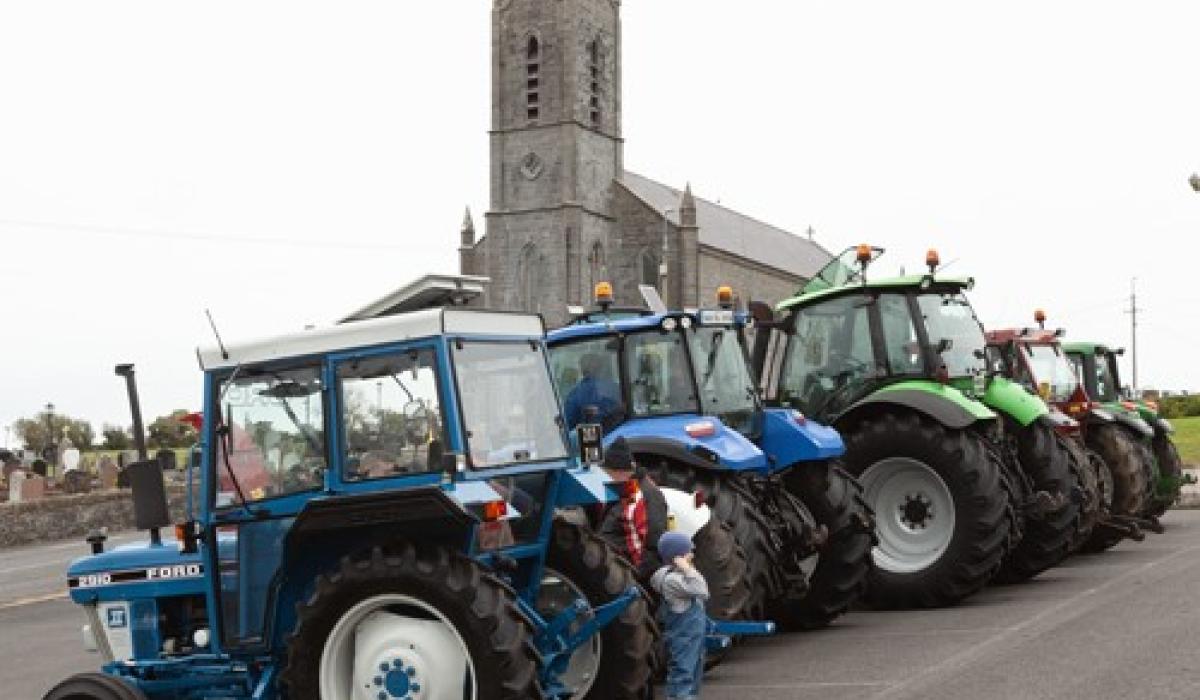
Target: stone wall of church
639 230
750 281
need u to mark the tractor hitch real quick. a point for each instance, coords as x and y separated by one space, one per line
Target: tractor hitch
556 640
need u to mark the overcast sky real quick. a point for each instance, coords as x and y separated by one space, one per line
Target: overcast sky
284 163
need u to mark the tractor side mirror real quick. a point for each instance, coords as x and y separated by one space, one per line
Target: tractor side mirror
762 313
149 495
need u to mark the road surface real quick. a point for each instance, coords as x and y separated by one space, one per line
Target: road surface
1122 624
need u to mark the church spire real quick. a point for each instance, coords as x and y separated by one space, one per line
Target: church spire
467 232
687 207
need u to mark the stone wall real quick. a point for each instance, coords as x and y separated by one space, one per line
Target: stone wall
66 517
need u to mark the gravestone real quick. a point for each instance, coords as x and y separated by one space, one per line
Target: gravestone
25 487
109 473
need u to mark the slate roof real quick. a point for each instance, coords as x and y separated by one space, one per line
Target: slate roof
738 234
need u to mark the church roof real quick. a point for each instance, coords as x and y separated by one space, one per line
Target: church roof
731 232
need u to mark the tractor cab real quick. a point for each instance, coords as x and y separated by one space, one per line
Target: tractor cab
377 517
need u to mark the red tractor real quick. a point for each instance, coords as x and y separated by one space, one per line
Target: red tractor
1110 470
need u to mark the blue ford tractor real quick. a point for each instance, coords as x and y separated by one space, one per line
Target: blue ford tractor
677 387
377 518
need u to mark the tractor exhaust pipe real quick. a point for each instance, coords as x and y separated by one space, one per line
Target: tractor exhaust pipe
145 476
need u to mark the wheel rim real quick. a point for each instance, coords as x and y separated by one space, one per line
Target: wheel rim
556 594
406 664
914 514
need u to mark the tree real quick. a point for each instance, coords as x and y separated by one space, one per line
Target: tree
171 431
47 429
115 438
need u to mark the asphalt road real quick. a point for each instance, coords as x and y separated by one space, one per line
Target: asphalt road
1116 625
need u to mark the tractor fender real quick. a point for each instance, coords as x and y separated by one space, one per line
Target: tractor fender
1134 423
1162 426
1061 421
668 437
789 437
943 404
1006 396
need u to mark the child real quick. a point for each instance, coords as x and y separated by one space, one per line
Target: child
684 621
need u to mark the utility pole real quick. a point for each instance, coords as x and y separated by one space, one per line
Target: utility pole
1133 312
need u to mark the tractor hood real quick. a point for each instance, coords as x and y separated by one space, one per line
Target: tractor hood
703 441
788 437
138 570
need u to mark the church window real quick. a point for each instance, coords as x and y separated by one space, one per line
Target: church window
648 268
531 268
593 52
533 56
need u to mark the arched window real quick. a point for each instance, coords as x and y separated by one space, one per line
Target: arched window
530 278
593 53
648 268
533 57
597 270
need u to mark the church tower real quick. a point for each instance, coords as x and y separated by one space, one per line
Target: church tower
555 152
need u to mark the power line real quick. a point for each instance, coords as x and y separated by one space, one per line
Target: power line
162 234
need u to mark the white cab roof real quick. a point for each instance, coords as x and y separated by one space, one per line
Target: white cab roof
377 331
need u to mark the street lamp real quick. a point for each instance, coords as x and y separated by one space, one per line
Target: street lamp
666 249
1194 181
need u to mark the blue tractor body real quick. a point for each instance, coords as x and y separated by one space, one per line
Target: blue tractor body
433 435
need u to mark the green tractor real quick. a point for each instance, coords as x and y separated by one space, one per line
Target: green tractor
1139 421
961 468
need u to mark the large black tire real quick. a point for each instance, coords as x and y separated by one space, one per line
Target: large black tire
1046 540
970 473
94 686
1102 538
731 551
481 609
1150 468
1170 474
1091 499
628 643
835 500
1120 452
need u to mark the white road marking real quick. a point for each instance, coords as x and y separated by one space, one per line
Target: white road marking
33 600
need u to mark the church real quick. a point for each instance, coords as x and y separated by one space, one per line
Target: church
564 212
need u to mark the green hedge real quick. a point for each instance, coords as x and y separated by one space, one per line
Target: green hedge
1180 406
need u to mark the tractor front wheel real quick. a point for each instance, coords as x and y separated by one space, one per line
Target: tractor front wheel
1092 505
1121 454
942 515
94 686
410 620
617 663
1046 540
838 575
1170 474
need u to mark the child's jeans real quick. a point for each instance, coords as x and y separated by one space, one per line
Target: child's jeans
684 634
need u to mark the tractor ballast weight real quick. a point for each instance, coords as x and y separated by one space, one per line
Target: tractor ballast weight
397 540
681 396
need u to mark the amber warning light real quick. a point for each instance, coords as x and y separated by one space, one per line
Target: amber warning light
603 293
725 296
863 253
932 260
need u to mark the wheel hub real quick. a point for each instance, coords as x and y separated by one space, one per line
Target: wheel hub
916 511
395 680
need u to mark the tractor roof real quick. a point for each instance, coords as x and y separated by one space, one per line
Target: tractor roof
376 331
1089 348
623 321
1034 336
884 284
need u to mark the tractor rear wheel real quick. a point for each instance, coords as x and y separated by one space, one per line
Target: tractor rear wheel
1121 454
407 619
839 575
1046 539
1170 474
1091 505
731 550
618 662
94 686
942 516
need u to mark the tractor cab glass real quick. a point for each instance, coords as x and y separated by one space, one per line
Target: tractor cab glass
950 323
1107 387
270 435
391 415
587 374
1048 367
660 381
723 376
509 408
831 356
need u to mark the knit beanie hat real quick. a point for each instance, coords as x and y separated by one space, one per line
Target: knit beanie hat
617 455
673 544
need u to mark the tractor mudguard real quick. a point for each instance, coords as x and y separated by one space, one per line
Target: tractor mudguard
583 486
942 403
1061 421
409 508
788 437
715 447
1007 397
1162 426
1135 423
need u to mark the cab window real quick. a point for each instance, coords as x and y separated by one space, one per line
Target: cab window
391 415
